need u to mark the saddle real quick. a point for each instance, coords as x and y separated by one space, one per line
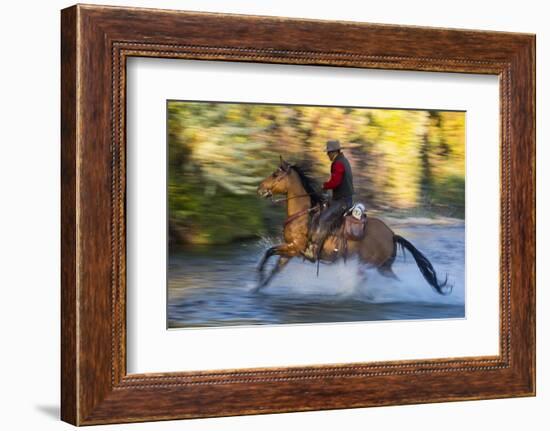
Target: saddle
351 226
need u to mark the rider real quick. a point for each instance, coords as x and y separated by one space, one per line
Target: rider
341 184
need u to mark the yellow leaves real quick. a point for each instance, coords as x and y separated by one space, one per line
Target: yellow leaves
398 155
234 113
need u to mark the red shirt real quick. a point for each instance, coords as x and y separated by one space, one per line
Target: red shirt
336 176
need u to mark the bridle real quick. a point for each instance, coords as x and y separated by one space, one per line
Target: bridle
275 201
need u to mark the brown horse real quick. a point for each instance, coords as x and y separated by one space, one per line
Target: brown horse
377 248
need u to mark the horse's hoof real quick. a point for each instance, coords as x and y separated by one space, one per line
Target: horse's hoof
256 289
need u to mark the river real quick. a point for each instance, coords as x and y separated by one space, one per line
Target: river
213 286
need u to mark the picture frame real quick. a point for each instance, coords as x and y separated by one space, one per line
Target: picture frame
96 42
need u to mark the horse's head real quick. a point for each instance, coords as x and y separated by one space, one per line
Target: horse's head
277 182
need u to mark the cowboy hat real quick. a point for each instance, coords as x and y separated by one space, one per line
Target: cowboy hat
333 145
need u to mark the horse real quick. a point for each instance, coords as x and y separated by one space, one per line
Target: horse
376 249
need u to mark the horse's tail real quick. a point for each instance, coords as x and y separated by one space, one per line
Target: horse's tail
425 266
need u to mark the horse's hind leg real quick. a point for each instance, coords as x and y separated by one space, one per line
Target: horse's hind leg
386 268
362 273
387 271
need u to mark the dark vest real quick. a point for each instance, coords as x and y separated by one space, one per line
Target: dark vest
345 189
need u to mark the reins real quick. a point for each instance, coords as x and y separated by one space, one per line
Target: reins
276 201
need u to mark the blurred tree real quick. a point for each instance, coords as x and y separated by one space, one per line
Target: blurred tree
404 161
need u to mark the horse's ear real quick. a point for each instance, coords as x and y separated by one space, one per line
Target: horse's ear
284 164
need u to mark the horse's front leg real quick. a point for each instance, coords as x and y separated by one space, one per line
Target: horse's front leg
281 263
268 253
284 250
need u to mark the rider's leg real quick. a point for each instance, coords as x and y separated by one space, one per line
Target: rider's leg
338 211
320 234
325 221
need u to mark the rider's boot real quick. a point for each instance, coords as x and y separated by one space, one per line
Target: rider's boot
310 253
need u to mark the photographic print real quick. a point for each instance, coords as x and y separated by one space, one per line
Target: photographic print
300 223
301 214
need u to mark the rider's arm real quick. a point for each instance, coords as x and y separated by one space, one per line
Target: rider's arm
336 176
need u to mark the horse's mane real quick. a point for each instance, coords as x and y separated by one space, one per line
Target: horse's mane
310 185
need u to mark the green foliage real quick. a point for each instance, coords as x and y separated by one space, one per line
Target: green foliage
405 160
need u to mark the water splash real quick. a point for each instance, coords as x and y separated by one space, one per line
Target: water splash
300 278
351 280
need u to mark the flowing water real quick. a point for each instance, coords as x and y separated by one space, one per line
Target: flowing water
213 286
